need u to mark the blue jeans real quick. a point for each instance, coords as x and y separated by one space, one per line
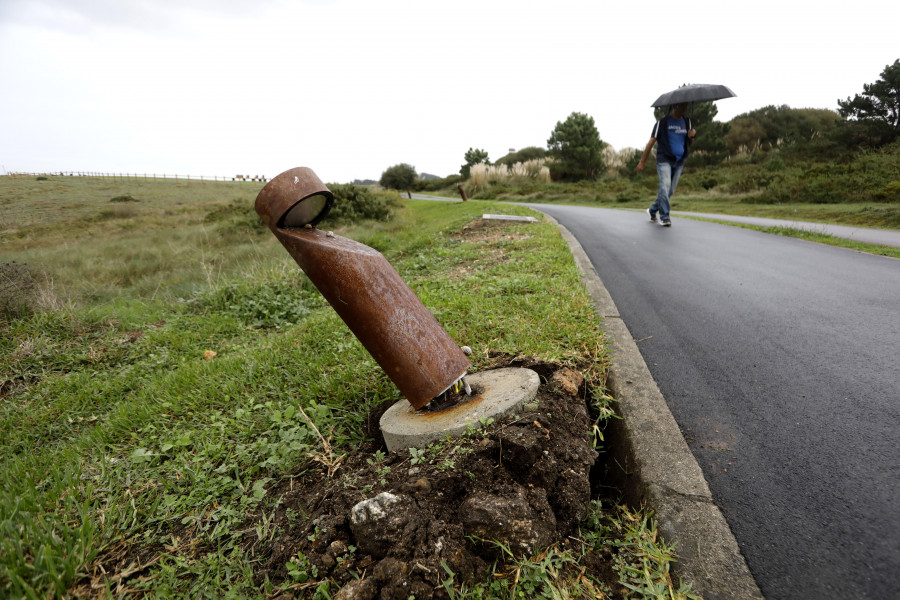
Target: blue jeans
668 181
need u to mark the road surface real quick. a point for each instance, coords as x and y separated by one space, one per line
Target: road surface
780 360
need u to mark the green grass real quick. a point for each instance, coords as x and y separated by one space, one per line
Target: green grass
172 239
132 455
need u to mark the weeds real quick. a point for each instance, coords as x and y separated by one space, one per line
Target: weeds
642 559
641 563
18 290
551 574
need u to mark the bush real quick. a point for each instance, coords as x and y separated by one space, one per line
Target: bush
888 193
533 170
439 184
708 181
869 177
355 203
775 163
127 198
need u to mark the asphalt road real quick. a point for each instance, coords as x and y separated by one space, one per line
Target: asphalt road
780 361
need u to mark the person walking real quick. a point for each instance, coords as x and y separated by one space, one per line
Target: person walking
674 134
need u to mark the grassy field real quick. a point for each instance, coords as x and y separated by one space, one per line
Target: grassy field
164 365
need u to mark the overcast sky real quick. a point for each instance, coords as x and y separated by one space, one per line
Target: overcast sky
351 87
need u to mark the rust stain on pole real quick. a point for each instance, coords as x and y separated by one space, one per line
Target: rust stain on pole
462 192
382 311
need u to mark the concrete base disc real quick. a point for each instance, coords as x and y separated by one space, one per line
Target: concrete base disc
498 392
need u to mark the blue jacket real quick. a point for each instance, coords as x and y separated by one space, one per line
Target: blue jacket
661 134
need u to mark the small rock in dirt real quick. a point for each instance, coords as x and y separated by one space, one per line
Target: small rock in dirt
357 589
390 569
337 548
373 508
569 381
384 522
521 447
509 519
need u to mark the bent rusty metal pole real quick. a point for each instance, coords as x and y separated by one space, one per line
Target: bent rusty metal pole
382 311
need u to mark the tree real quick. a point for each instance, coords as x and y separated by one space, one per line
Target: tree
473 157
574 147
785 126
746 134
878 107
399 177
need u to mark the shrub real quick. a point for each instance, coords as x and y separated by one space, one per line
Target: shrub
533 170
621 162
126 198
117 212
888 193
434 185
708 181
355 203
775 163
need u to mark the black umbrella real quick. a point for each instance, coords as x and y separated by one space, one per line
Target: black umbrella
696 92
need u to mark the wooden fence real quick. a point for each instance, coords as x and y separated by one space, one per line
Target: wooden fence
140 176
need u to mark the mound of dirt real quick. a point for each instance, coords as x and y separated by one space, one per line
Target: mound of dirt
389 525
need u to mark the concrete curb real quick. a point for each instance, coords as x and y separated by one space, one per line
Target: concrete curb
655 466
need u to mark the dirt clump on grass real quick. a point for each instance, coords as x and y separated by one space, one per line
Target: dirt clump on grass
400 524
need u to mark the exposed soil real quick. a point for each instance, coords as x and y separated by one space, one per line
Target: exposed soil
526 481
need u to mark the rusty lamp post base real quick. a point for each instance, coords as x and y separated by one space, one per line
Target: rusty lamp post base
497 392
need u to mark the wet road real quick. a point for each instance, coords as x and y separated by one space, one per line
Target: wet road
780 360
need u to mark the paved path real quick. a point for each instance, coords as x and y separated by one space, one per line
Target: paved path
779 360
881 237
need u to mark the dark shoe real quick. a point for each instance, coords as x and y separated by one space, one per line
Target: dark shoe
652 216
665 223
